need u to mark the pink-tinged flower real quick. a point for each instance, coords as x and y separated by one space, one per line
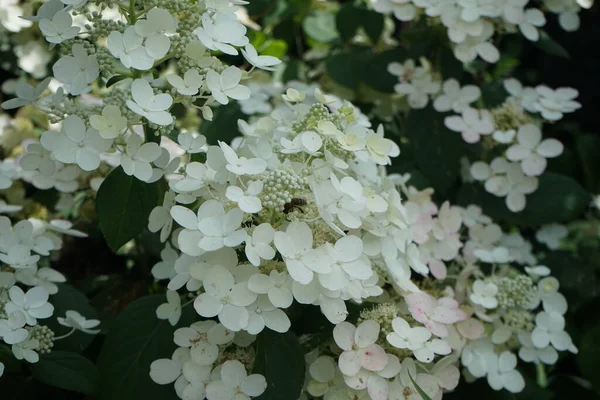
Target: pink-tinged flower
360 350
434 313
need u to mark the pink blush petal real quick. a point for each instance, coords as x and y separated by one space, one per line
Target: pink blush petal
374 358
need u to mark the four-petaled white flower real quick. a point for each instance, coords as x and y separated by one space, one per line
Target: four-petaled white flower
247 200
472 124
235 383
171 310
242 165
147 104
222 34
262 62
12 329
128 48
454 98
137 157
531 151
359 347
76 144
77 71
26 94
76 321
227 85
277 286
225 298
502 373
111 123
258 246
550 329
484 294
59 28
33 304
189 85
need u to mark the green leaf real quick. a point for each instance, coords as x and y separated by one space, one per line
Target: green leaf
114 79
372 22
137 338
376 74
437 149
549 46
68 298
123 205
224 124
320 26
558 199
347 21
421 391
588 148
68 371
280 358
347 68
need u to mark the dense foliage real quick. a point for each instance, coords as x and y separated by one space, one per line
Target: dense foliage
295 199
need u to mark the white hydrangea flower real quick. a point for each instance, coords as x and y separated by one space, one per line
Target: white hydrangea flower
553 104
157 21
77 71
277 286
111 123
484 293
12 329
222 34
503 374
261 62
550 329
59 28
148 105
26 94
246 200
160 217
225 298
128 48
262 313
33 304
454 98
171 310
258 246
76 144
403 10
531 151
189 85
235 383
44 277
242 165
359 347
137 157
551 235
529 353
26 351
203 338
192 142
76 321
472 124
226 85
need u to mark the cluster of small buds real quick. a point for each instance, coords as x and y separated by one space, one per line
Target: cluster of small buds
280 187
317 113
44 336
519 319
515 292
383 314
509 115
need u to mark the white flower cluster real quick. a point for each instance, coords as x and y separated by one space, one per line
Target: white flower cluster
472 24
338 232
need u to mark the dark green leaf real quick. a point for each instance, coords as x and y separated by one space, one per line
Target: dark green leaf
135 340
68 298
320 26
123 205
437 149
376 74
224 125
347 21
114 79
588 148
372 22
347 68
68 371
549 46
280 359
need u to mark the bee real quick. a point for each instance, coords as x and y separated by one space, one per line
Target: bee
295 203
